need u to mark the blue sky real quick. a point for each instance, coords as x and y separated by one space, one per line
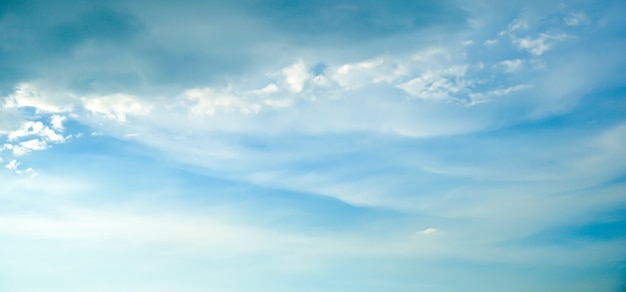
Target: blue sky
312 146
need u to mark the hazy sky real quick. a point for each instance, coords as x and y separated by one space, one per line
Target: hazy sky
288 145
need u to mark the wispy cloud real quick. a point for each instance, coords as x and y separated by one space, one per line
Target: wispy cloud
299 140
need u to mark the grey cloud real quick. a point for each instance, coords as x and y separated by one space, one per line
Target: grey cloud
101 25
148 47
99 48
358 19
9 120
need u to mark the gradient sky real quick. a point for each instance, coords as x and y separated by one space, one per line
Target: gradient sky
288 145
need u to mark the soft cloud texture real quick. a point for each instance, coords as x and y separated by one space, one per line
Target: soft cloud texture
328 146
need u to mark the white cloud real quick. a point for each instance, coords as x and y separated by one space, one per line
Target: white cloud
28 95
27 129
27 146
296 76
19 151
510 66
438 84
57 122
207 102
51 135
214 234
482 97
31 136
362 108
505 91
575 19
534 46
361 73
389 70
117 106
518 24
31 128
12 165
269 89
34 145
539 45
427 231
489 43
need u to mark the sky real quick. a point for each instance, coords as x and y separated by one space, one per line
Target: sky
290 145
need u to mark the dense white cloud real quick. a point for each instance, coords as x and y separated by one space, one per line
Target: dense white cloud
27 129
33 136
32 128
56 121
296 76
28 95
34 145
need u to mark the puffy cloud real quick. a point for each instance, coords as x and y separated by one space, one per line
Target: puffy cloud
32 136
51 135
12 165
37 128
34 144
27 129
27 146
296 75
364 73
56 121
28 95
444 72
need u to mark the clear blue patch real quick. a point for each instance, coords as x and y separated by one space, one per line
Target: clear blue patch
319 69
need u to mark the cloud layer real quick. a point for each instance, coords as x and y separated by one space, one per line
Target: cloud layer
273 140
